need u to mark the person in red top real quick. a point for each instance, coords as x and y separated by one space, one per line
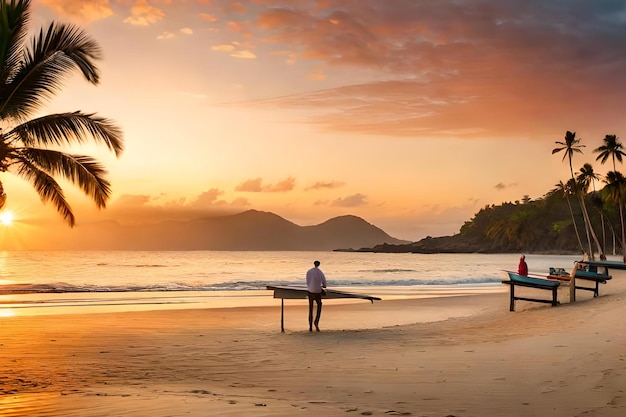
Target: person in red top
522 269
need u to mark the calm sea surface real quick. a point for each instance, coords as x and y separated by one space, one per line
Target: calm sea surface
33 283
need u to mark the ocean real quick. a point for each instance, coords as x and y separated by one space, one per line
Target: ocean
66 282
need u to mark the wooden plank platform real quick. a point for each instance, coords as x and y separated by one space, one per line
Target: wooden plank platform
299 293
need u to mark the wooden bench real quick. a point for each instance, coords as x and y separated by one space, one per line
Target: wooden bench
537 283
594 277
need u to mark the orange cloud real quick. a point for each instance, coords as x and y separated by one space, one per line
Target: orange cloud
208 17
143 14
282 187
251 186
165 35
243 54
453 69
256 186
320 185
350 201
84 11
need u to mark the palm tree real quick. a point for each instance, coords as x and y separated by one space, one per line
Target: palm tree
587 177
615 184
30 74
571 145
612 147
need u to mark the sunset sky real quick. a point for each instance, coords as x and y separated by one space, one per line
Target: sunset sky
411 114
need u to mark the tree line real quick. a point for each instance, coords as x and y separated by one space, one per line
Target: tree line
574 216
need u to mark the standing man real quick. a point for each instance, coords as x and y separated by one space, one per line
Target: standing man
315 283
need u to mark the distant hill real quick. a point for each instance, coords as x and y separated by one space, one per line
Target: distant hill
545 225
249 230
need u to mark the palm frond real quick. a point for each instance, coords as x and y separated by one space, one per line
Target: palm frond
47 188
14 17
52 56
66 128
83 171
555 150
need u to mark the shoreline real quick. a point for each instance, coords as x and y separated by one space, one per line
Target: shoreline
392 357
61 303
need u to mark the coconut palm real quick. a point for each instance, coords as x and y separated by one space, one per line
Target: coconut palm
587 177
615 184
611 148
30 74
570 145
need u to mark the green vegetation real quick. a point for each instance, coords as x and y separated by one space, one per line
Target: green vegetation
572 217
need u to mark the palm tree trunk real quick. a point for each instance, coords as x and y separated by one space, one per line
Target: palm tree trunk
587 234
590 226
621 216
571 212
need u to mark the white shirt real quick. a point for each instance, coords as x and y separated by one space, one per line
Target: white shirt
315 280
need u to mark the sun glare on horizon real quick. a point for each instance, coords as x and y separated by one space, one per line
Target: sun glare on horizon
6 218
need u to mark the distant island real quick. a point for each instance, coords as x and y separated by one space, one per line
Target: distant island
546 225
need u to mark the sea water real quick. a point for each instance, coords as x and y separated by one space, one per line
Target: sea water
61 282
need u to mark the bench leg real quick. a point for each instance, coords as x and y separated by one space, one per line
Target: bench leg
512 306
554 297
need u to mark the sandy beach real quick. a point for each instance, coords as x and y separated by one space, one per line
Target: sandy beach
454 356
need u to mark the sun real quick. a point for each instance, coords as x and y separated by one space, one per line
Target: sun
6 218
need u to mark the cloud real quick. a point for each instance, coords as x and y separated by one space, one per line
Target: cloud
256 186
241 202
501 186
205 200
170 35
208 199
448 68
355 200
208 17
320 185
165 35
129 200
234 50
143 14
84 11
243 54
251 186
223 48
282 187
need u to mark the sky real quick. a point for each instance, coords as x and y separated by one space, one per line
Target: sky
410 114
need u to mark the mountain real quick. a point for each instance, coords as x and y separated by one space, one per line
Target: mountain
249 230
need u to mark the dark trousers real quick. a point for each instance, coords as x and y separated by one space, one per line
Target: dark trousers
317 297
